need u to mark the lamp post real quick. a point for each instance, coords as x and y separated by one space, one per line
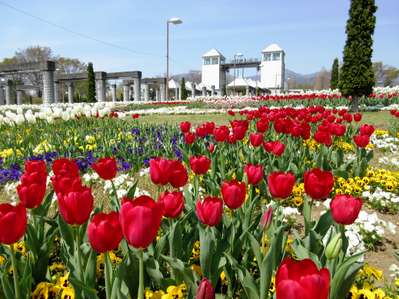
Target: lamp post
235 60
175 21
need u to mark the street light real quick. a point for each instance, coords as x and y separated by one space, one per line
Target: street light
174 21
235 59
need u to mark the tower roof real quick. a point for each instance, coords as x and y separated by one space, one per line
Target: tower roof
272 48
213 52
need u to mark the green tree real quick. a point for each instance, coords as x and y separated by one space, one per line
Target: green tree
91 84
183 89
357 77
334 74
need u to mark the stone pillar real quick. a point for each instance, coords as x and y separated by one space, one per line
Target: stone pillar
146 91
193 90
157 94
2 96
213 91
9 99
204 91
48 68
113 92
163 92
177 94
71 91
125 92
137 89
57 91
19 97
101 78
247 90
222 89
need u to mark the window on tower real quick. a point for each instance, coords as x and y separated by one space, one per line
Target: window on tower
276 56
215 60
267 56
207 60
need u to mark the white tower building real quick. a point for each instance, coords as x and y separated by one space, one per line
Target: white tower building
272 68
212 73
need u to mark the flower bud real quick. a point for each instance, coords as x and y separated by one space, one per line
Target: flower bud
266 219
334 247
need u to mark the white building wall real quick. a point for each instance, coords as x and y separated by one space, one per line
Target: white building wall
272 74
211 75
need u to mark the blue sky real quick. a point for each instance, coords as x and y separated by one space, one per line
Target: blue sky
312 32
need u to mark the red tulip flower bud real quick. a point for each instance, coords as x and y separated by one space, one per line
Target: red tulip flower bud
160 171
221 133
65 167
106 168
302 279
275 147
12 222
254 173
185 126
366 130
210 210
173 203
178 176
318 183
267 218
345 208
361 140
234 193
35 166
256 139
281 184
31 195
75 207
205 290
189 138
357 117
211 148
140 220
104 232
323 137
199 164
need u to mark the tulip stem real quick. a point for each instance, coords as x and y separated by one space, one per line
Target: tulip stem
78 256
171 251
108 287
307 214
140 294
15 272
116 203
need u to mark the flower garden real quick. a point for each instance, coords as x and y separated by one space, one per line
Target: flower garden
267 198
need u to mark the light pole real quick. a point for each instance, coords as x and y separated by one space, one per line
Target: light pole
235 59
175 21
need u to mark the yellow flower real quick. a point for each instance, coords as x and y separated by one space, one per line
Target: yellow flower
197 269
298 201
68 293
57 267
272 287
42 147
223 278
148 294
45 290
2 260
90 139
63 281
195 253
20 247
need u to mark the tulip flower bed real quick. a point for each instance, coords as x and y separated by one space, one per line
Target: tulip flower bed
280 203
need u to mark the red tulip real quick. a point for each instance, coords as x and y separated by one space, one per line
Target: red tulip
75 207
140 220
211 148
302 280
160 171
256 139
233 193
267 218
65 167
221 133
275 147
173 203
63 185
357 117
345 208
210 210
254 173
205 290
366 130
318 183
34 177
135 116
104 232
106 168
178 174
36 166
281 184
262 125
189 138
31 196
323 137
361 140
338 129
12 222
239 132
201 131
185 126
199 164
